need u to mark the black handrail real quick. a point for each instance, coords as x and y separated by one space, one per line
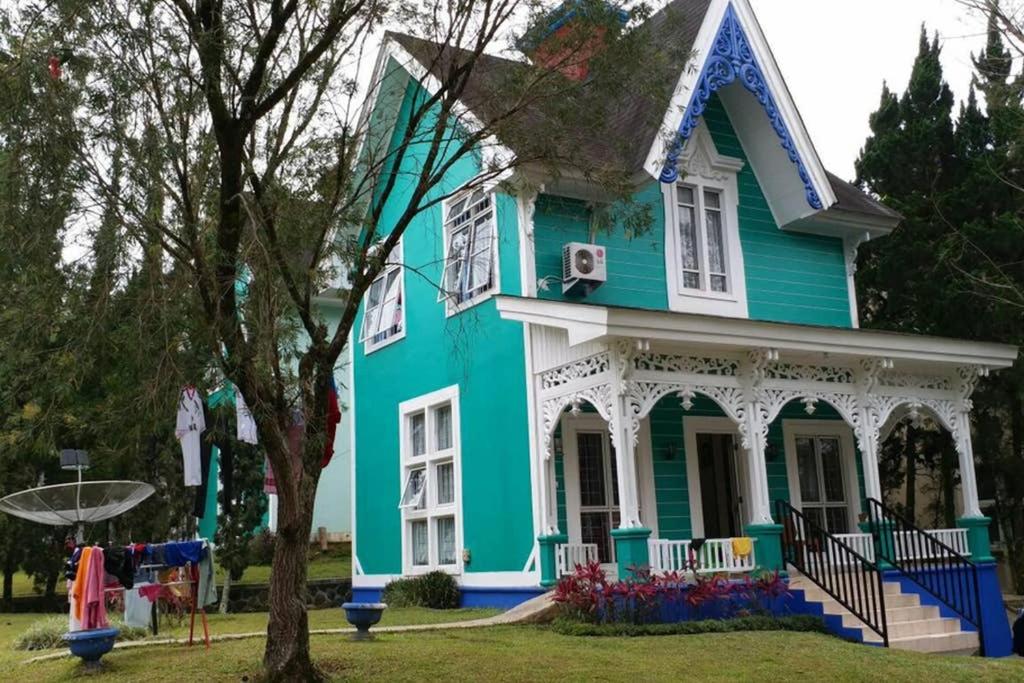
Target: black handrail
933 565
848 577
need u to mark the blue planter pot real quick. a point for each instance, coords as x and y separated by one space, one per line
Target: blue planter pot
363 615
91 644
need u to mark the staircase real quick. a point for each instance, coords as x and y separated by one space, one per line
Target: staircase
911 625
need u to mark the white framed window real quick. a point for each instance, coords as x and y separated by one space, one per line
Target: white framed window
703 257
384 307
471 249
821 470
431 496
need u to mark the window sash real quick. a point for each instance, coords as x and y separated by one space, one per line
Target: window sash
703 259
470 231
384 315
414 490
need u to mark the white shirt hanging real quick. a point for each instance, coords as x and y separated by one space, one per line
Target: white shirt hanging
189 429
246 425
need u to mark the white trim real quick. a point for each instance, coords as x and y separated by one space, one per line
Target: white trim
588 322
489 189
357 566
527 281
572 425
791 429
705 169
353 483
693 425
690 75
430 460
645 478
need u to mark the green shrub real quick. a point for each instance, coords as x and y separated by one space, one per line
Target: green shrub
802 623
48 633
436 590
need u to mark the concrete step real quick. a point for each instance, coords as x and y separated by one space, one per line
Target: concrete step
957 641
891 602
897 614
922 627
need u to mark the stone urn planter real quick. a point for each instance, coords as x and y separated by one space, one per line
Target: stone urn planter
363 615
91 644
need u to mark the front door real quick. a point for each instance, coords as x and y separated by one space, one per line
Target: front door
822 482
599 492
719 485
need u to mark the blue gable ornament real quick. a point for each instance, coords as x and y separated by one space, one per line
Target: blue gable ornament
732 58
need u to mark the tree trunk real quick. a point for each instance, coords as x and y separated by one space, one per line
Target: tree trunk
225 594
51 584
910 456
287 657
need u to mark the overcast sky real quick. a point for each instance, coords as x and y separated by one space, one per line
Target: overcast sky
834 55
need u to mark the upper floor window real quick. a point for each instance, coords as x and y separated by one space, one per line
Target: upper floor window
470 233
703 258
384 312
702 240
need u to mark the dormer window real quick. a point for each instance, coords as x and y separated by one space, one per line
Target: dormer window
703 258
470 238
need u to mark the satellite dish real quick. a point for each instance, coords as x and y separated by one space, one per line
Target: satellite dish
78 503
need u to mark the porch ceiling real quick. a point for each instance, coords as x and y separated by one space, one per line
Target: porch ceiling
593 323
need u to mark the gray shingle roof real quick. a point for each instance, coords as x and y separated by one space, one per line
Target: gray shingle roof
634 128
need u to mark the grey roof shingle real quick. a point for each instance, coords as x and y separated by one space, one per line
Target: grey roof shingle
632 132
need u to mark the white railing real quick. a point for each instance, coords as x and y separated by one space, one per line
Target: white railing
862 544
568 555
909 549
714 557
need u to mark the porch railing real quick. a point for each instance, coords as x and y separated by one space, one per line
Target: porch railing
835 566
929 562
715 556
953 538
569 555
862 544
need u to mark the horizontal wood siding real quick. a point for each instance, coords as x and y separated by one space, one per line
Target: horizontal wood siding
791 277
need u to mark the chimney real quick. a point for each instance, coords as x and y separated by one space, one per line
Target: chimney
569 36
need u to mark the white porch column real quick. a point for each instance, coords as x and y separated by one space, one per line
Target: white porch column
760 506
968 479
867 441
624 428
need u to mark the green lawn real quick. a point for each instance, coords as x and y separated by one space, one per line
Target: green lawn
517 653
335 564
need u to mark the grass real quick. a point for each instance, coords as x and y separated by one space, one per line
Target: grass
336 563
515 653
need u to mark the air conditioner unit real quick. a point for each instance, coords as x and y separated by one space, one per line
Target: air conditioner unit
584 268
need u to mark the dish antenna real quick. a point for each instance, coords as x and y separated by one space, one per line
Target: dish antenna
76 504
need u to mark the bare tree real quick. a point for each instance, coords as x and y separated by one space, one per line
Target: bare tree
243 117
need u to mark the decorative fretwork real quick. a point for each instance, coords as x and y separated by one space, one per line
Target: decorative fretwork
836 374
732 59
907 380
693 365
600 396
577 370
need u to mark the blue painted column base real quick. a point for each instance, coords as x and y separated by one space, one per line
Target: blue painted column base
631 550
998 641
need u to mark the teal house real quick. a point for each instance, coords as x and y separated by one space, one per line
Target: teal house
695 398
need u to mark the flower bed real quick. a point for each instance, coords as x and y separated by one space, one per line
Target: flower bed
797 623
588 596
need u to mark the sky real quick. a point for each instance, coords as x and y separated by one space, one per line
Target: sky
834 55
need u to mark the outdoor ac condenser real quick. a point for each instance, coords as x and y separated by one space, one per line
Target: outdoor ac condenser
584 268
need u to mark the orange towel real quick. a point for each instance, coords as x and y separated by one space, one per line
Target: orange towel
743 546
78 587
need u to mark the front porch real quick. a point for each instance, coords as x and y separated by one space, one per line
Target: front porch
656 427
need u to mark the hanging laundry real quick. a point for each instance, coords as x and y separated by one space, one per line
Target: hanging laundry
189 429
742 546
225 444
138 611
333 418
206 591
296 432
246 425
89 605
